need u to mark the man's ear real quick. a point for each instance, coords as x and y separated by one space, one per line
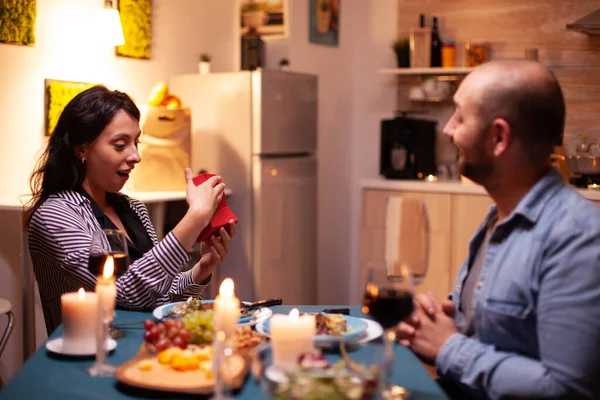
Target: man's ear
501 135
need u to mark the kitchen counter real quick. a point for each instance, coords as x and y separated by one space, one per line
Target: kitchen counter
453 187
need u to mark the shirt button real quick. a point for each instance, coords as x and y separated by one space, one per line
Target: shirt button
479 285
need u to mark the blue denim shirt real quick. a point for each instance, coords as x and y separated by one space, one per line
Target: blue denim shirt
537 302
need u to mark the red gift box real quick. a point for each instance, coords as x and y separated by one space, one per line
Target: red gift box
222 216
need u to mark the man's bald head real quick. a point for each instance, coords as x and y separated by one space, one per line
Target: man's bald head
525 94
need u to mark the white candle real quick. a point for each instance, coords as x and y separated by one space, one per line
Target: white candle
291 336
79 312
227 309
106 288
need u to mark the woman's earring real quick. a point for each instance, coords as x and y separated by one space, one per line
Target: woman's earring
83 160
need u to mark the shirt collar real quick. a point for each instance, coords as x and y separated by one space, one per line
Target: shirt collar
98 213
530 207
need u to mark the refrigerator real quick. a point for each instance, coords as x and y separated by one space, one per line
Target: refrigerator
258 130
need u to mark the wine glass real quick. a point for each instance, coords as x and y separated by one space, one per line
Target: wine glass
104 243
107 242
107 260
388 299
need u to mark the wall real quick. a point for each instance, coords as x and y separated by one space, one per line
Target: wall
182 29
333 65
352 101
374 100
509 27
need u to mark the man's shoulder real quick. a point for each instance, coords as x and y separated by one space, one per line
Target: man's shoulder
568 214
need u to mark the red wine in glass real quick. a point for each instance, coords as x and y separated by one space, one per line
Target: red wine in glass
96 263
388 306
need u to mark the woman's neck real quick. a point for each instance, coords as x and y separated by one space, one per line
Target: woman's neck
97 194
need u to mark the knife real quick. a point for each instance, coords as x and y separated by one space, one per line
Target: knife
263 303
345 311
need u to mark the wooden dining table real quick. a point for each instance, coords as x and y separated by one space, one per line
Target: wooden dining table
52 377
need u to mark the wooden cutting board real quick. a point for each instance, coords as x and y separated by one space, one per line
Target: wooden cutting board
163 378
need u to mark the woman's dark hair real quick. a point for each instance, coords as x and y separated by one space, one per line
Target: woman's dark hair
81 122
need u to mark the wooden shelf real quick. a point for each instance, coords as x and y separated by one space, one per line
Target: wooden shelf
426 71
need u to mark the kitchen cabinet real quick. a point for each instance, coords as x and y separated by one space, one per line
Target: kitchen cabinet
454 217
438 278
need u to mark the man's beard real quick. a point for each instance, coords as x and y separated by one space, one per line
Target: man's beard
478 170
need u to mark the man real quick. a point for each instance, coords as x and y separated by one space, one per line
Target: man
524 316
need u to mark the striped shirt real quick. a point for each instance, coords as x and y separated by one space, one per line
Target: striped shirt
60 234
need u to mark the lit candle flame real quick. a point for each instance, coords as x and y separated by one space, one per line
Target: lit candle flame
109 267
81 294
226 288
294 315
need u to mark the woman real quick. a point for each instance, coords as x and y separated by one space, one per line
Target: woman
75 187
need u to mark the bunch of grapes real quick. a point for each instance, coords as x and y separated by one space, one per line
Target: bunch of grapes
200 325
166 334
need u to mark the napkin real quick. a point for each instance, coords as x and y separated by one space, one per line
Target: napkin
222 216
407 235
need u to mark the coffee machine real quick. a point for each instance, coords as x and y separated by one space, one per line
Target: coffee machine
407 148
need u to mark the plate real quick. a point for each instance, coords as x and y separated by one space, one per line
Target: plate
56 346
162 378
262 314
372 332
357 327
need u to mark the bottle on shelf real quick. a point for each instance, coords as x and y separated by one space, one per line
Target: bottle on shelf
420 45
436 45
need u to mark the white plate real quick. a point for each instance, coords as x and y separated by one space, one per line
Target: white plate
56 346
263 314
372 332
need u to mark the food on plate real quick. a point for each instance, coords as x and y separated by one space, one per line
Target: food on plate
162 335
331 324
192 358
245 337
194 304
200 325
196 328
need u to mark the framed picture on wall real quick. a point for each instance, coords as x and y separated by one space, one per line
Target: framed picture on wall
136 18
266 18
324 20
17 22
57 95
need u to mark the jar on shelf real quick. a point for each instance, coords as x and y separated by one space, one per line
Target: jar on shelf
448 54
475 54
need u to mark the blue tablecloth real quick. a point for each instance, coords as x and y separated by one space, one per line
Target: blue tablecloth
49 377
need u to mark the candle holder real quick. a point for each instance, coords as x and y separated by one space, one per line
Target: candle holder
102 368
224 350
106 291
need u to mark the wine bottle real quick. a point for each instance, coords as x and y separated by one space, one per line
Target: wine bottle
436 45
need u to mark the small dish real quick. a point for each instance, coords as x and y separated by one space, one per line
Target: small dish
56 346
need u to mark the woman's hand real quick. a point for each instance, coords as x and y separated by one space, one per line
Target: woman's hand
213 253
204 199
